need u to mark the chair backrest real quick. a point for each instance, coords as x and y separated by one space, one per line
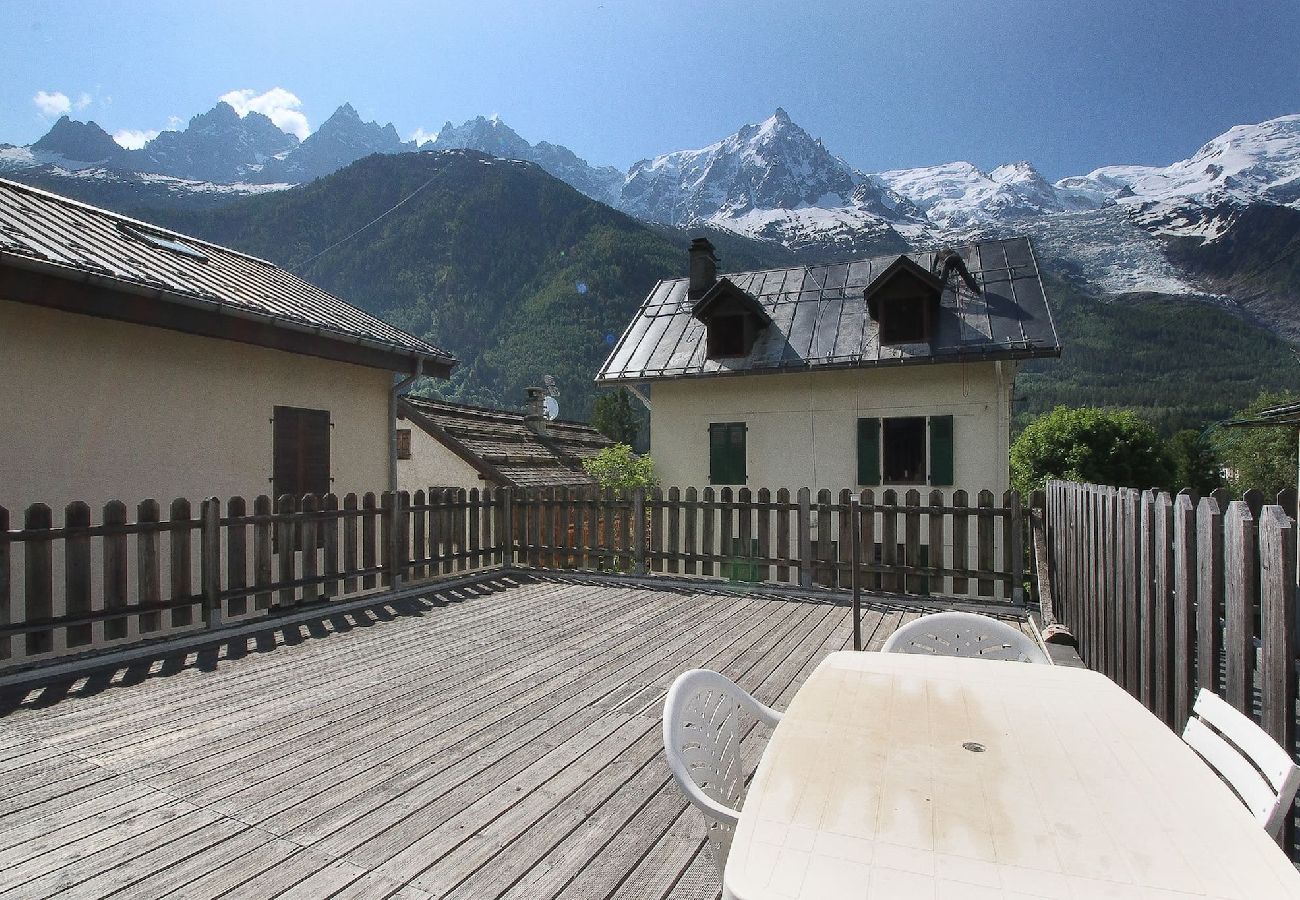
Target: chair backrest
965 634
702 732
1257 769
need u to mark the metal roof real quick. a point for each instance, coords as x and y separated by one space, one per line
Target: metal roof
502 446
55 235
1286 414
819 319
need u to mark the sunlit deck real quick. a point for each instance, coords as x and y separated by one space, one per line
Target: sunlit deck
496 740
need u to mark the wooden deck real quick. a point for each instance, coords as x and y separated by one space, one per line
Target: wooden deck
497 740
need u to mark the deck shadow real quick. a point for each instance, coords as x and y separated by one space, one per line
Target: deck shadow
272 637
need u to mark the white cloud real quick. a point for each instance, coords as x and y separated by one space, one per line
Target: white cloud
133 139
83 100
280 106
51 105
422 137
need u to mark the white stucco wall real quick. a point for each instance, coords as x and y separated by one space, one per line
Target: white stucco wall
802 427
96 410
433 465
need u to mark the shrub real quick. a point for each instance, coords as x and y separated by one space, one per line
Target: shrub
618 468
1096 445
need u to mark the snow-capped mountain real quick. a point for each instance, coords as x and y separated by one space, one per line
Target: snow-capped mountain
769 166
959 195
491 135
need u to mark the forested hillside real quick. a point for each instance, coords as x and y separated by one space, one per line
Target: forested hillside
1178 363
515 272
521 276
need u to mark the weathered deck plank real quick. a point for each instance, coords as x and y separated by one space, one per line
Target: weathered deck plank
489 741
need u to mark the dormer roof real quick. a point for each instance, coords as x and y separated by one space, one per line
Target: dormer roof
929 284
726 296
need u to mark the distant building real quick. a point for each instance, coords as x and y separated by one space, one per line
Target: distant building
141 363
890 372
450 445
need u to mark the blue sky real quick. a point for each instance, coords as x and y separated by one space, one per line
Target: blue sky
1068 85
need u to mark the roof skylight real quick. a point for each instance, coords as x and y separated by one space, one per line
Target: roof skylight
164 243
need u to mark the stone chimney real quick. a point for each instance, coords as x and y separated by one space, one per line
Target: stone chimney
534 414
704 268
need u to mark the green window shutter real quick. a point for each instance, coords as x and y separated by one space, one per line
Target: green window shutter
727 453
868 451
941 451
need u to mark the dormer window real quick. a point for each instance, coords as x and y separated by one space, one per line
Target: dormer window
904 320
732 320
726 336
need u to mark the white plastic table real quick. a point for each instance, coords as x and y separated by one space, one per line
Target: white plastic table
910 776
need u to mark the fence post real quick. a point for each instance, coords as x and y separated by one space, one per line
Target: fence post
1184 599
1017 549
638 530
805 538
855 513
210 560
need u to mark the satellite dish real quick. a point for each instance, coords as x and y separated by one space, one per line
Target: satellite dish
550 409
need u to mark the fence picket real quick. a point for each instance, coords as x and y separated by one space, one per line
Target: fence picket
329 524
116 588
912 584
76 572
783 533
960 542
889 582
1184 602
38 583
6 593
182 569
236 557
284 531
1239 599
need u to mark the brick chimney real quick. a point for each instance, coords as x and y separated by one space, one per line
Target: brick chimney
703 270
534 414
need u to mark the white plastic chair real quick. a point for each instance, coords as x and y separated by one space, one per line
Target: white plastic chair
702 731
1257 769
965 634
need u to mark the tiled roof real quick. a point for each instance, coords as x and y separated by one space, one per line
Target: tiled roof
819 319
43 231
502 443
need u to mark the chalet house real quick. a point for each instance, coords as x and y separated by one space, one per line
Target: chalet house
141 363
890 372
450 445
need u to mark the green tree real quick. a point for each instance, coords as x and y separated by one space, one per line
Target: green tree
614 417
1096 445
618 468
1195 463
1263 458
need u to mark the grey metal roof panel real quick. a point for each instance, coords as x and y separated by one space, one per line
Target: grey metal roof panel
819 319
73 238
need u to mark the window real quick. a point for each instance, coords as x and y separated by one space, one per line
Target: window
727 453
904 320
726 336
903 443
301 451
403 443
894 451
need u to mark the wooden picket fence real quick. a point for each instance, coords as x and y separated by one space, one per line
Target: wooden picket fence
1170 594
84 584
940 545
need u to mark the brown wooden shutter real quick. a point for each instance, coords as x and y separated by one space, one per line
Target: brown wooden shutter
301 451
869 451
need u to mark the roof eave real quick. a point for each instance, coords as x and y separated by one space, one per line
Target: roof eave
932 359
394 357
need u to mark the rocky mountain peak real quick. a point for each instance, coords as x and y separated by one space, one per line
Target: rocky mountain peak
79 141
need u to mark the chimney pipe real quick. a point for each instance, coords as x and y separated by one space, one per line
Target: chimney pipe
534 415
703 270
